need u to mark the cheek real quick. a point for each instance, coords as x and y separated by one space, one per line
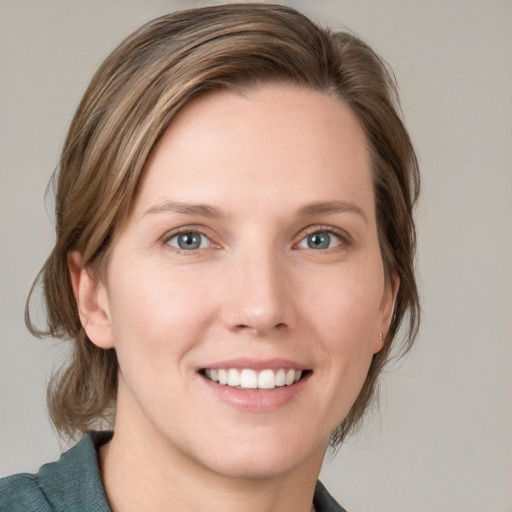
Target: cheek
345 322
347 305
156 318
346 319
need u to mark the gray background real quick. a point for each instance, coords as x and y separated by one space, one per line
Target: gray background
443 438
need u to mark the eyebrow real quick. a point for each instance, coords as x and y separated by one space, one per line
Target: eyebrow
331 207
309 210
202 210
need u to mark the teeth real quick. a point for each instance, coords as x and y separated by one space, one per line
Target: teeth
223 377
267 379
280 377
233 377
250 379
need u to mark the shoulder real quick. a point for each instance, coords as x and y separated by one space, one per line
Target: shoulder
22 492
324 502
73 483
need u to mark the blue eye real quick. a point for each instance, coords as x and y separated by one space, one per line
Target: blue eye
320 240
189 241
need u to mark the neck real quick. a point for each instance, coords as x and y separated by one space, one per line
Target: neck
143 471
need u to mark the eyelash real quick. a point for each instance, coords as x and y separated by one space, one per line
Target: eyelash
185 231
342 236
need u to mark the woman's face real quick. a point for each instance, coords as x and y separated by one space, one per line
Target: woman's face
251 256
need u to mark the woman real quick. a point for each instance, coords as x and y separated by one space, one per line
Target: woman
234 259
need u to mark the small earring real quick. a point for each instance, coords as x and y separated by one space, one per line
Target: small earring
381 336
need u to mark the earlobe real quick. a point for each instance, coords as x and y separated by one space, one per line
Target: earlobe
92 302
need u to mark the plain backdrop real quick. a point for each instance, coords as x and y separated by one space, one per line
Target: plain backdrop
443 438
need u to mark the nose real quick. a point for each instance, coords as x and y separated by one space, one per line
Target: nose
258 295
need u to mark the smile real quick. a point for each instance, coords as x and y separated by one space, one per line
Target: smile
248 378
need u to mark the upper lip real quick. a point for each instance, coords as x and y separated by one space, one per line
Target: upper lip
256 364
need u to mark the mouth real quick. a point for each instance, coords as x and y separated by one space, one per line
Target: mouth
248 378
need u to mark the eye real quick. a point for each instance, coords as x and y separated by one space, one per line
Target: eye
189 241
320 240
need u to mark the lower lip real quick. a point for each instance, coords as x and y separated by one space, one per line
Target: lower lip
257 400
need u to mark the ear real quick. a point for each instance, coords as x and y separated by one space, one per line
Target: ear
386 309
92 302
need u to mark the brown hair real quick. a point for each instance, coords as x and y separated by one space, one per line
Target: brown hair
132 99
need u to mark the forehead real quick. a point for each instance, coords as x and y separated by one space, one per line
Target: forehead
273 142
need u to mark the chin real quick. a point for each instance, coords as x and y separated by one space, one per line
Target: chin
245 466
262 457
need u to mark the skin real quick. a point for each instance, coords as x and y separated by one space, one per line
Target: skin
254 289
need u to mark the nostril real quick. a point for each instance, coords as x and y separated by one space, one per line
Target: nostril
260 329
